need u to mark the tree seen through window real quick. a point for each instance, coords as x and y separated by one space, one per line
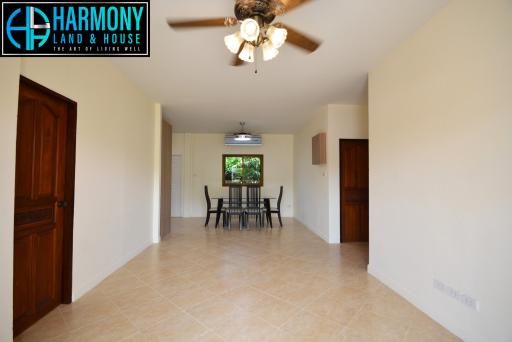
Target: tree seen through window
242 170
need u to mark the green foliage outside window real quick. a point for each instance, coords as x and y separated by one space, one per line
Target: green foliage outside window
243 169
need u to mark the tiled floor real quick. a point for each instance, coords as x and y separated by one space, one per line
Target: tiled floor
215 285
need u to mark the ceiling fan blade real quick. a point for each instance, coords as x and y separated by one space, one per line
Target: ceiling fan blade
301 40
237 61
212 22
292 4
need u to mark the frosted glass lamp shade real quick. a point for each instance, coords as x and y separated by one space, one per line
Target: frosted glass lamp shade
250 30
247 54
269 51
233 42
277 36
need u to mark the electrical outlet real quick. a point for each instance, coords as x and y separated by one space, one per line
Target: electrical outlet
462 298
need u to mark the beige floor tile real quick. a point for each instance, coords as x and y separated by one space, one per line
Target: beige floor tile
136 297
110 329
172 287
244 326
296 294
415 335
148 315
48 328
115 285
137 337
389 304
93 297
309 327
80 316
261 285
340 305
419 323
210 337
244 297
273 310
368 326
214 311
180 327
192 296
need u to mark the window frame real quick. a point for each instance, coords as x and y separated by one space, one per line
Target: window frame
262 166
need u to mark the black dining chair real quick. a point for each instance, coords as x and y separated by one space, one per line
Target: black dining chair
235 205
253 207
269 210
218 211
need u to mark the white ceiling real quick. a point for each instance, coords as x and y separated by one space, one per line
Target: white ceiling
189 71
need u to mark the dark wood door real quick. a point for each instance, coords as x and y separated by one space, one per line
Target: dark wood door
40 203
354 190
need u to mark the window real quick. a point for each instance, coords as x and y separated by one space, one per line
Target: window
242 169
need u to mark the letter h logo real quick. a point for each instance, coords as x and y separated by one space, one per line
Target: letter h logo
31 28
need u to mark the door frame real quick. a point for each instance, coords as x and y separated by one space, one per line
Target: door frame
69 190
341 183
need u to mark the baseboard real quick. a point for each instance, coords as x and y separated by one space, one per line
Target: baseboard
326 239
111 268
412 299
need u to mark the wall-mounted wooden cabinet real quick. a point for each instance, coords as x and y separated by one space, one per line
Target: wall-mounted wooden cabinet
319 146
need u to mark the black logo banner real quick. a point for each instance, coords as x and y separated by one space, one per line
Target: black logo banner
75 28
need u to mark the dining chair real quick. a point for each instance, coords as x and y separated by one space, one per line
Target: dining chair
253 207
235 205
218 211
277 210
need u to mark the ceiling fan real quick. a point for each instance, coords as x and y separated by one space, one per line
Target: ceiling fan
242 138
256 29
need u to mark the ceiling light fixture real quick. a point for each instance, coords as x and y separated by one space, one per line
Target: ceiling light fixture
251 37
269 51
242 136
258 28
270 39
277 36
247 54
250 30
233 42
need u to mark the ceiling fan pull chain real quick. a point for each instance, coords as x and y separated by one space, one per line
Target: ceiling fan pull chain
256 64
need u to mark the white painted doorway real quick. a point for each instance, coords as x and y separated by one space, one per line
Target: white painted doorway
176 200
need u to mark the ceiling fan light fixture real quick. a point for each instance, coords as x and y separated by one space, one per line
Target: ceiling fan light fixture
277 36
233 42
247 54
269 51
250 30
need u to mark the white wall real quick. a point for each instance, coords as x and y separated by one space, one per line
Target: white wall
317 194
202 165
114 167
311 182
9 85
441 167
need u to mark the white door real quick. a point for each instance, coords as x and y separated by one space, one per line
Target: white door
176 210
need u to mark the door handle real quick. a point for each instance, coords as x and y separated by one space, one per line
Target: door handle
62 204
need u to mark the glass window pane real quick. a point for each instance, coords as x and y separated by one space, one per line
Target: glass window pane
243 170
252 170
233 170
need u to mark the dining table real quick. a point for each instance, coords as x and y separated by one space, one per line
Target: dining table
264 204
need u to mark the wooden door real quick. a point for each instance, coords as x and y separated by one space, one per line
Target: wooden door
42 147
165 180
354 190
